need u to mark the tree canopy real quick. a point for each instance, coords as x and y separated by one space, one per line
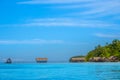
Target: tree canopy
112 49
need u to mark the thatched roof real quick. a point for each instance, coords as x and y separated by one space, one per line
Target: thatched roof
40 59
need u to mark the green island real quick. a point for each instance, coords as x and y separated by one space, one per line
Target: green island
108 53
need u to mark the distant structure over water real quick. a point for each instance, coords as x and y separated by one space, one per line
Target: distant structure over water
81 59
8 61
77 59
41 60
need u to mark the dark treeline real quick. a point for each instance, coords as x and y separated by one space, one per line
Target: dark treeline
109 50
112 49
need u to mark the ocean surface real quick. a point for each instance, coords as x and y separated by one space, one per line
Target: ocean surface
60 71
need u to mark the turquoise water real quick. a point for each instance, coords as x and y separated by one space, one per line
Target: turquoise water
60 71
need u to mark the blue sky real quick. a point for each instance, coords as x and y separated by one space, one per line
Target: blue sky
57 29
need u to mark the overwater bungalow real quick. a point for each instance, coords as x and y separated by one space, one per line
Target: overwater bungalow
41 60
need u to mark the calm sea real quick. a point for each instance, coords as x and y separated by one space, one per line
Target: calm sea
60 71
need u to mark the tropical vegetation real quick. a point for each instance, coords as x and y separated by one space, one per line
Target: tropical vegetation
111 49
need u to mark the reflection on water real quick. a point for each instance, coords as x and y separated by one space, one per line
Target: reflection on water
60 71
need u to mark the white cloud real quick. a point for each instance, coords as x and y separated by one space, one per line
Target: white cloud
52 1
93 9
103 8
34 41
107 35
64 22
86 8
40 42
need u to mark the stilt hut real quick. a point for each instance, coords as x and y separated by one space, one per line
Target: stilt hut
41 60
